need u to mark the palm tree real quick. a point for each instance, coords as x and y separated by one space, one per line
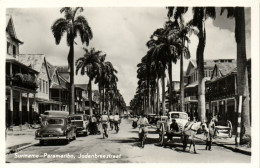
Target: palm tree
177 14
89 64
71 25
242 72
200 14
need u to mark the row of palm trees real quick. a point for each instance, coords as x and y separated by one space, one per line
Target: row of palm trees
169 44
92 64
103 74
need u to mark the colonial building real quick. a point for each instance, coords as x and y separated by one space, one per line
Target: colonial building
221 92
191 85
38 62
59 90
21 82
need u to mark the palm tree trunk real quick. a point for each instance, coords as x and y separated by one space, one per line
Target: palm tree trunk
163 93
100 100
242 74
72 87
182 81
200 63
158 97
170 87
90 96
103 99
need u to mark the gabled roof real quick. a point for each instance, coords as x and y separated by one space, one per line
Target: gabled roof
10 29
82 86
51 70
193 64
226 68
34 61
223 69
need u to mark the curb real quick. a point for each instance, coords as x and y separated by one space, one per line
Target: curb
234 149
20 148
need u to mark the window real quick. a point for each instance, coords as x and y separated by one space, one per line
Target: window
43 90
47 87
14 50
8 46
40 85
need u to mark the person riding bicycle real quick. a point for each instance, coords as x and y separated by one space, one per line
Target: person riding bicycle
174 130
116 121
111 121
104 121
142 122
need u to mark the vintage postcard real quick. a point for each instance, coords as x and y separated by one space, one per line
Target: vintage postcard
123 82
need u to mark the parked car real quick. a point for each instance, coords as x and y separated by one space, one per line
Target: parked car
81 122
56 128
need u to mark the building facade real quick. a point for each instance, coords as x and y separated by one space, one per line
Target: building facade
21 83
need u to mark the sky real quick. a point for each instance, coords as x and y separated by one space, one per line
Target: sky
120 33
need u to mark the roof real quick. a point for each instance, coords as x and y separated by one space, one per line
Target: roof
10 28
34 61
226 68
51 70
56 86
82 86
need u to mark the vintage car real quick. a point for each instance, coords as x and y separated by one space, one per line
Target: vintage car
164 126
81 122
180 117
56 128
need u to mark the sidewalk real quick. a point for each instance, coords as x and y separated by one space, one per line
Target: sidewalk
228 143
19 138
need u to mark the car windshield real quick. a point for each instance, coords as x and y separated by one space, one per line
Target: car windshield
55 121
76 118
179 116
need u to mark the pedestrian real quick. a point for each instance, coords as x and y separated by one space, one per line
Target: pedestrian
209 133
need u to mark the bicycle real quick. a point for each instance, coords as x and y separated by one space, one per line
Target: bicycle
105 131
116 126
143 135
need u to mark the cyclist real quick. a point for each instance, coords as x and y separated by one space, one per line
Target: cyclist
104 121
111 121
116 122
142 122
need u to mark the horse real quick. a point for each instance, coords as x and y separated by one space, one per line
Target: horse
189 132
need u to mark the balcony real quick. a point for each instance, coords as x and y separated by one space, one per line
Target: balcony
190 99
27 81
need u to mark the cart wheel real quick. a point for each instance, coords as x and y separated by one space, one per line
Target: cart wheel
230 128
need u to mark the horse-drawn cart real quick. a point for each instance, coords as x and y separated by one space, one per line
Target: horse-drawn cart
223 128
164 125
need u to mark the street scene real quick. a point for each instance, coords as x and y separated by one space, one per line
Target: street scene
126 85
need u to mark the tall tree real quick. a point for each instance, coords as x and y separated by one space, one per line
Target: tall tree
242 72
72 25
89 64
200 15
177 14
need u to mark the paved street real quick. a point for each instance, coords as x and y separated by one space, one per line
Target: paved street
125 149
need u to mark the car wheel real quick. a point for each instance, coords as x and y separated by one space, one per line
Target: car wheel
41 142
66 141
74 138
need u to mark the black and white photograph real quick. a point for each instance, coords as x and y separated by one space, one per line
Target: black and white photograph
129 84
